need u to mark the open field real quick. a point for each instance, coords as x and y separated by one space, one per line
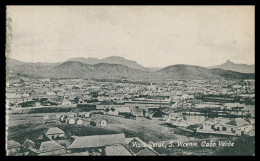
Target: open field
33 125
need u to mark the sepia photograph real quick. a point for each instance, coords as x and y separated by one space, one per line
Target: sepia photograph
130 80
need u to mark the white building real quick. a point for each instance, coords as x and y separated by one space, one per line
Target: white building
70 121
237 126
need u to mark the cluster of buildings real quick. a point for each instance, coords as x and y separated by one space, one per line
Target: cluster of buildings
218 125
29 92
166 100
80 119
55 142
235 127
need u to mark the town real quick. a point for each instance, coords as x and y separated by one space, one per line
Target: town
50 116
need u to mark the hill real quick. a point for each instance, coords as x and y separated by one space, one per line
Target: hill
227 74
181 71
242 68
13 62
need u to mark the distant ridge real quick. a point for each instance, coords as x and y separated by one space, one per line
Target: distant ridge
228 65
182 71
113 60
91 61
13 62
77 69
242 68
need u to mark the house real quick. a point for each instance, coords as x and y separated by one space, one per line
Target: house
65 102
51 148
54 133
101 98
28 144
50 94
49 117
41 139
57 99
79 122
13 148
116 150
185 96
72 98
237 127
87 115
103 123
136 111
86 97
64 142
208 124
95 142
148 113
149 116
124 110
46 117
26 97
176 115
98 123
113 112
70 121
180 122
152 87
241 127
147 152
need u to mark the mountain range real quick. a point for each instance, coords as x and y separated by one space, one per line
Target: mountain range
92 61
113 60
119 67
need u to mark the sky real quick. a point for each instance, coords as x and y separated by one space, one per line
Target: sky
153 36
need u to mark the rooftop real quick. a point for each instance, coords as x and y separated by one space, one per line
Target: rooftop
116 150
27 143
12 144
97 141
238 122
147 152
48 146
54 130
